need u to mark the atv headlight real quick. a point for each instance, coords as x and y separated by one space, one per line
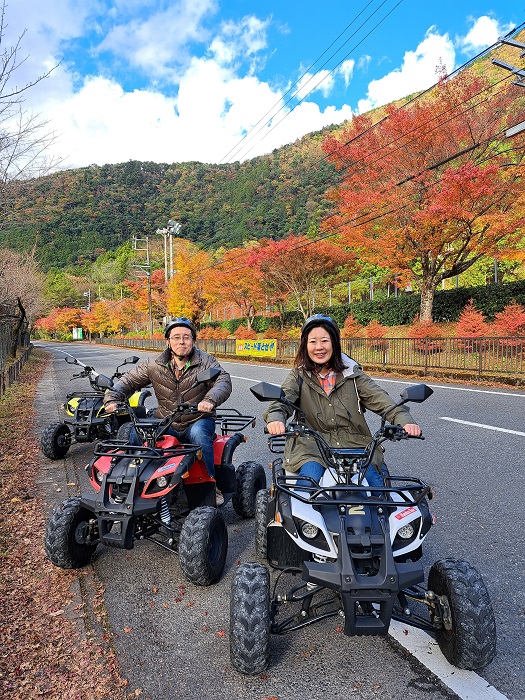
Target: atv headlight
309 531
406 532
162 482
98 476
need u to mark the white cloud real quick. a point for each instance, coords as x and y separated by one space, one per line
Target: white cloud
241 41
417 72
484 32
364 62
347 70
323 81
155 43
101 123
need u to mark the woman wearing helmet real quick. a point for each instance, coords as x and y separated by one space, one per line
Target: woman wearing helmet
333 392
172 375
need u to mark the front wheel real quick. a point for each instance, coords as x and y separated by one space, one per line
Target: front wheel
261 523
468 636
250 619
56 440
250 478
69 540
203 545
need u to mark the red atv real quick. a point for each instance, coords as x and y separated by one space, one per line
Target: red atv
159 491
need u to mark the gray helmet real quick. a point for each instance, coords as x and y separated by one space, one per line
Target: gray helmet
319 320
182 321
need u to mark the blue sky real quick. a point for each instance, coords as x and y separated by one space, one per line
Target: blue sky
187 79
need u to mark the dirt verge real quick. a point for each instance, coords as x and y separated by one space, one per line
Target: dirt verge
53 633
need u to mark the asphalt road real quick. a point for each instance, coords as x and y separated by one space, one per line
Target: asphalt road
172 637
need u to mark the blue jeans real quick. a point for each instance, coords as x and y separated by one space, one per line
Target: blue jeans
316 471
201 433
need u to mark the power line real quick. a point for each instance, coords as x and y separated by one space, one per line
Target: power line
363 219
296 83
296 93
432 87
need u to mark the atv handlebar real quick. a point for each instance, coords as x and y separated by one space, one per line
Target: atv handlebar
362 457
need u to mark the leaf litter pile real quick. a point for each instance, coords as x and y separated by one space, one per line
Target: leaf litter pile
50 646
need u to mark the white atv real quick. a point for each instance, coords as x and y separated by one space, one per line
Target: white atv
356 551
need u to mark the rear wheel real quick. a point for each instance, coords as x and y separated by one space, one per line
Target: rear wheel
68 540
203 545
250 618
56 440
261 523
468 636
250 478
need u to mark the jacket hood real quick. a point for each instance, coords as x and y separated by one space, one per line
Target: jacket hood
352 368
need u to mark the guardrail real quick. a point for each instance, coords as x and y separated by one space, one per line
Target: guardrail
477 356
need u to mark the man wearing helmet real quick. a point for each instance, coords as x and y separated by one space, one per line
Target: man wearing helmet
172 375
333 392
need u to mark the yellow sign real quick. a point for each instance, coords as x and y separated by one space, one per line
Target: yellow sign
258 348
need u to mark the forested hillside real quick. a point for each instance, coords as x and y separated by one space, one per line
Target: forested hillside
75 215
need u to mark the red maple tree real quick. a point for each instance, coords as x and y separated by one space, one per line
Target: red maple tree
298 268
435 185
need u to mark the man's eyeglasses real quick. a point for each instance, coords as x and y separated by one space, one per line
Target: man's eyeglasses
180 338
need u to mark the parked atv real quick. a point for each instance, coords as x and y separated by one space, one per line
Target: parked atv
85 418
160 491
357 553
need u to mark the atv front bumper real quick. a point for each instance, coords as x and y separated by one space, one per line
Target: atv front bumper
367 600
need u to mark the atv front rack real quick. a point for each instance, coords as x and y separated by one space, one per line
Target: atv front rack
410 490
229 420
121 449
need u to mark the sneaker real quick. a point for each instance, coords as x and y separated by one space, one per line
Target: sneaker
219 498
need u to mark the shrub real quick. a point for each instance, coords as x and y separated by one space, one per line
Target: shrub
245 333
423 329
423 333
351 327
375 330
210 333
510 321
471 323
292 333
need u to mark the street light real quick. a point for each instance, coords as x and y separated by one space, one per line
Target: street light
173 229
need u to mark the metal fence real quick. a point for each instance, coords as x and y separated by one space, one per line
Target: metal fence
10 374
477 356
6 336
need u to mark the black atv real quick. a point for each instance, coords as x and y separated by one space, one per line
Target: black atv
85 418
356 551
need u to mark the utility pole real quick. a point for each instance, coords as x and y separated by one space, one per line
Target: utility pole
146 272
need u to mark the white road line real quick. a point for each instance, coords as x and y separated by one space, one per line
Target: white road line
454 388
482 425
466 684
247 379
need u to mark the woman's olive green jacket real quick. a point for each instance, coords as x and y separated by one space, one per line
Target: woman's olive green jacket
339 417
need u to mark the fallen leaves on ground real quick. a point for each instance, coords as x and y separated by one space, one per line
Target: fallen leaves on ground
47 650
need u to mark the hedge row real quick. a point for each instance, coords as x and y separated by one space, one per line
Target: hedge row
401 310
